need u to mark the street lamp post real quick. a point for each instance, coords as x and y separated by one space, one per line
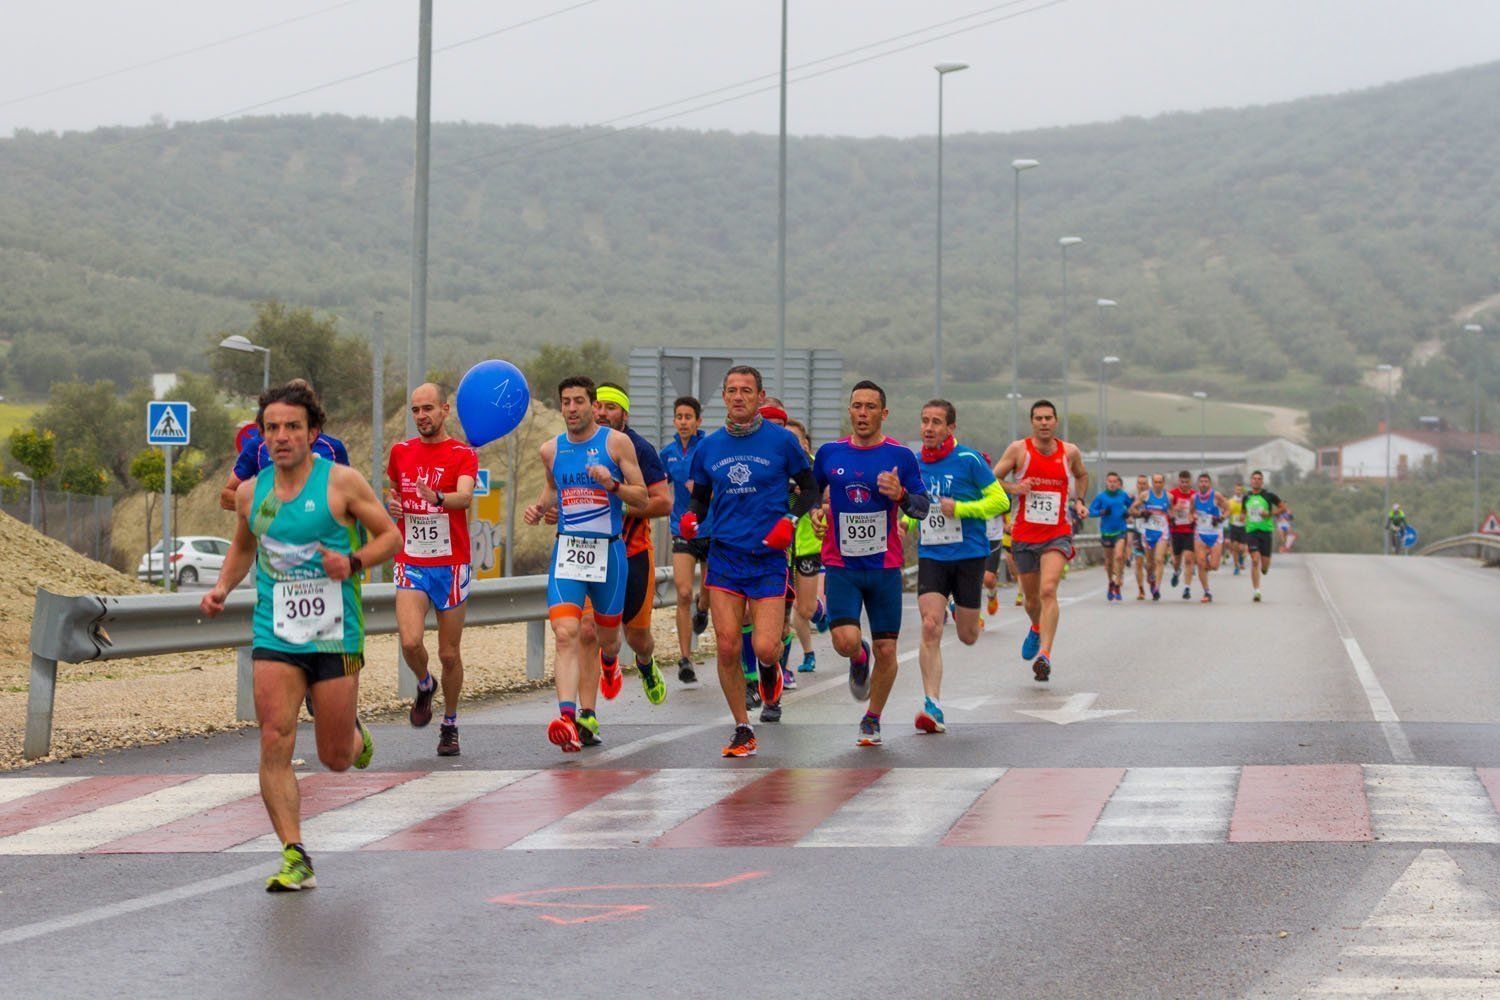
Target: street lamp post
1015 291
416 348
1014 399
1390 387
1101 442
1063 244
239 342
780 226
1478 332
1103 304
943 69
1202 398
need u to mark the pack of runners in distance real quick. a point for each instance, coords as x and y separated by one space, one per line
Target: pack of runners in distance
767 520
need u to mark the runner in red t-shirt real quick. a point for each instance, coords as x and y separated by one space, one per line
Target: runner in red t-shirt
1050 481
1181 516
432 484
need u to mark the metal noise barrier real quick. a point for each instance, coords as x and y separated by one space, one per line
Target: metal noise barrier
104 627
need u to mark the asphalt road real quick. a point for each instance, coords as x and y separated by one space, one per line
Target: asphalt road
1295 798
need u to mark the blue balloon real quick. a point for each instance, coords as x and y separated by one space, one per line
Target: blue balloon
493 398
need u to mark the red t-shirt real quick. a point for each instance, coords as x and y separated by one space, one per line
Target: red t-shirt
1181 514
431 536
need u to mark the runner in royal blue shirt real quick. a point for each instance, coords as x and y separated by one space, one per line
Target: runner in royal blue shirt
255 456
677 456
870 480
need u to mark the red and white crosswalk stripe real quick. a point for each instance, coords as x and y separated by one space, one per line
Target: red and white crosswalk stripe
591 809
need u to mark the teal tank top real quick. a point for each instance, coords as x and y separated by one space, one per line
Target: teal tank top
297 608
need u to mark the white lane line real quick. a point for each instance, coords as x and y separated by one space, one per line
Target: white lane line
638 814
1169 805
907 807
378 816
144 812
1380 705
1432 935
42 928
18 788
1430 805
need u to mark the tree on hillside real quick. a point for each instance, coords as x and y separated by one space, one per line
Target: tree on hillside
36 452
302 345
553 363
98 427
77 473
149 471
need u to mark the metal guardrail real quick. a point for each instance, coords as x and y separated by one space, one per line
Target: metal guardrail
103 627
1486 547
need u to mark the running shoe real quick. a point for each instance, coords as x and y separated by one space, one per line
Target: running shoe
1187 593
930 718
1041 668
820 617
700 620
771 712
788 679
563 731
363 760
296 872
652 681
993 605
809 664
752 695
1236 569
1020 598
685 672
769 685
447 740
588 727
1207 598
1256 598
742 744
421 708
869 732
1155 594
1176 576
859 674
611 678
1031 644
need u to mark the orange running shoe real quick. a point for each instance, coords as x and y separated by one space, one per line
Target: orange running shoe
564 732
742 744
610 678
994 604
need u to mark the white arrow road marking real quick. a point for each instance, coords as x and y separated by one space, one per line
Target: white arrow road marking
1075 709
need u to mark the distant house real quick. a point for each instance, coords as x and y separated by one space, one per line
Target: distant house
1411 453
1226 457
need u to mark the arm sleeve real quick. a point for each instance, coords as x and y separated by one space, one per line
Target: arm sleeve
917 500
994 501
703 493
808 493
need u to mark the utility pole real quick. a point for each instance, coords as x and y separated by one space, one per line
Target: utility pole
416 351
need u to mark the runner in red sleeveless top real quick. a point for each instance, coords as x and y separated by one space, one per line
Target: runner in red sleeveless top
1050 478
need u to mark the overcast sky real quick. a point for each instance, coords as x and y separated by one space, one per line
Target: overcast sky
1050 62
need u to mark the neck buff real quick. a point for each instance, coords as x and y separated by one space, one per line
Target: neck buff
743 430
941 452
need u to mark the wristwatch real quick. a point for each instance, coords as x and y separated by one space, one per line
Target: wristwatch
356 564
439 498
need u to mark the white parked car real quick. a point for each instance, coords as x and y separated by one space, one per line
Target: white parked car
196 558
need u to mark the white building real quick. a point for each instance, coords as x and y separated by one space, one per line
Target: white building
1226 457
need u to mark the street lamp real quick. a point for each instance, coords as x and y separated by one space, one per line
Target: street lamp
1390 387
1478 332
1015 401
1015 344
1103 304
1063 244
943 69
1102 437
239 342
1202 398
780 229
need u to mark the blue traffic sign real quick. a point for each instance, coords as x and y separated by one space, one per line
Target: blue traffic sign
168 422
1409 537
482 483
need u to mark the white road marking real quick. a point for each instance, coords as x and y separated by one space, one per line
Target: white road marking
638 814
144 812
384 813
1075 709
1432 934
18 788
908 807
1426 804
1380 705
1169 805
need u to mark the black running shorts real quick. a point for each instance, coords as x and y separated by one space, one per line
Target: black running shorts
959 579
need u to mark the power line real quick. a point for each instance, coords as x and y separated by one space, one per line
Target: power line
228 39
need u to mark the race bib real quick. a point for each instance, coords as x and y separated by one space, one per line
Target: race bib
940 529
1205 524
1181 514
427 535
1044 507
1156 522
305 611
585 559
863 534
994 528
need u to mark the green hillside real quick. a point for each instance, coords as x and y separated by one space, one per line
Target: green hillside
1272 251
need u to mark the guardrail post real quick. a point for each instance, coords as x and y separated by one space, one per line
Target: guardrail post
406 681
536 650
244 685
40 694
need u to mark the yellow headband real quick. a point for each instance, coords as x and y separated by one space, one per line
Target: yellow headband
609 394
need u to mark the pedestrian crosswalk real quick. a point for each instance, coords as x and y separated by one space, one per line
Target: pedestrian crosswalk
582 809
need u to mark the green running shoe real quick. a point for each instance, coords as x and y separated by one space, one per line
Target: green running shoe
652 680
588 727
363 760
296 872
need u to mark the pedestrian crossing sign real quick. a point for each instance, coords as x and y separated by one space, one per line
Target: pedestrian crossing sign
167 422
482 484
1491 525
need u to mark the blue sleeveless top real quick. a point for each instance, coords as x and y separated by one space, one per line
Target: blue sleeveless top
583 506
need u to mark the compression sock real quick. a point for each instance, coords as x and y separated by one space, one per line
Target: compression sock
786 650
567 709
450 720
747 652
427 683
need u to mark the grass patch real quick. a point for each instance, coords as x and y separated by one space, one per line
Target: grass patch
14 415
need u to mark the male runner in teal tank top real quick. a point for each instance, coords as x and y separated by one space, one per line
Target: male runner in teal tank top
297 522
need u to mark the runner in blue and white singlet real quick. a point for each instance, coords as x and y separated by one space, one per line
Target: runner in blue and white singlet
1209 510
